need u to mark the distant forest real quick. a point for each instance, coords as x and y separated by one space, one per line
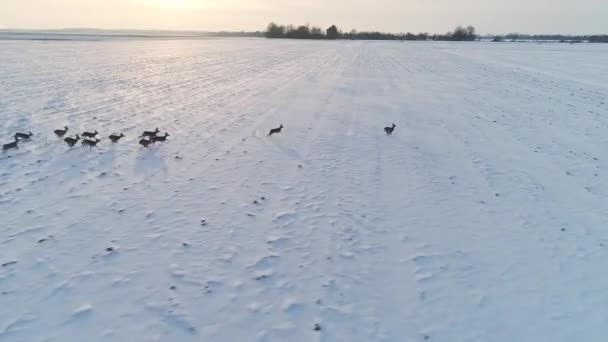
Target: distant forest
459 34
307 32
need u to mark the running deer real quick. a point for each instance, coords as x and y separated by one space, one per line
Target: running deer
115 137
150 133
90 143
61 132
160 138
72 141
276 130
389 130
23 136
145 142
9 146
89 134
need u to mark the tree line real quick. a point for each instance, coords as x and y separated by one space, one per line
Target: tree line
333 32
515 37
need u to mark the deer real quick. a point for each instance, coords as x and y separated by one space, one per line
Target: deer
145 142
389 130
150 133
23 136
160 138
90 143
276 130
13 145
115 137
72 141
89 134
61 132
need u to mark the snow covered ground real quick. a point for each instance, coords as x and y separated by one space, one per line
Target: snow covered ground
483 218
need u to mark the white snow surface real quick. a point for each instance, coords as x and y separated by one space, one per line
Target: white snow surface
483 218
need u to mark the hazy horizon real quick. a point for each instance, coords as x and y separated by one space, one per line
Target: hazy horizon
438 16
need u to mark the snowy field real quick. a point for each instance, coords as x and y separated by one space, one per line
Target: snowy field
483 218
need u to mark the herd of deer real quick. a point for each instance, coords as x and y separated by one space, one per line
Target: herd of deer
87 138
90 138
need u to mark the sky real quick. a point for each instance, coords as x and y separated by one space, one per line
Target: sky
434 16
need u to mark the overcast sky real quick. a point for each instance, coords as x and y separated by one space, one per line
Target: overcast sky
489 16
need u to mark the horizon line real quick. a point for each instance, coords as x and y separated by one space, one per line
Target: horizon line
261 31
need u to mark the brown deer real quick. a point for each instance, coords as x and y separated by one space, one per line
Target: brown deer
150 133
276 130
160 138
9 146
89 134
72 141
23 136
145 142
61 132
115 137
389 130
90 143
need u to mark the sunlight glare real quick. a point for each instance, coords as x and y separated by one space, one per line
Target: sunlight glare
174 3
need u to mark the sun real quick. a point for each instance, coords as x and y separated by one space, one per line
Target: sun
174 3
